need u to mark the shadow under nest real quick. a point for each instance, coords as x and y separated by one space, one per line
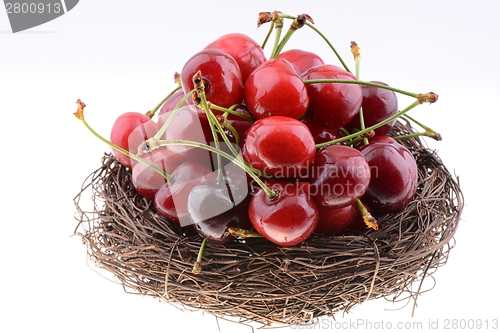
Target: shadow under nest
257 281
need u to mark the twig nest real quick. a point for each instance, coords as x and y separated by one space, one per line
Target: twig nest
256 280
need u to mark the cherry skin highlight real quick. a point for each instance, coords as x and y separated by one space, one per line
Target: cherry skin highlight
275 89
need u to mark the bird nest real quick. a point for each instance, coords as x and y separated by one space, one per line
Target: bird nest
257 281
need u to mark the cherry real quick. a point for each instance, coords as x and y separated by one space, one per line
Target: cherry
334 104
358 224
393 175
216 205
170 105
320 132
280 146
378 105
339 176
301 60
247 53
334 220
221 75
171 198
186 125
129 130
146 180
287 219
275 89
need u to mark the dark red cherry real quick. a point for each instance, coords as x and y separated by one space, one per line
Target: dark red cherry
334 104
378 105
334 220
220 73
275 89
301 60
393 175
247 53
286 220
171 199
128 132
320 132
280 146
339 176
214 206
146 180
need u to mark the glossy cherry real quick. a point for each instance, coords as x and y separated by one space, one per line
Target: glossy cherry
334 104
378 105
171 199
334 220
339 176
129 130
275 89
280 146
221 75
320 132
247 53
393 175
286 220
146 180
301 60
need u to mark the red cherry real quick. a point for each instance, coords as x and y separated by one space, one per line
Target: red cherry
286 220
334 220
320 132
340 175
170 105
221 75
186 125
334 104
171 199
275 89
128 132
378 105
393 175
280 146
301 60
247 53
146 180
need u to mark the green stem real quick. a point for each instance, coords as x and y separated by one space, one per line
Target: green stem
162 130
277 36
197 264
368 129
153 112
365 83
238 160
129 154
231 111
432 135
271 28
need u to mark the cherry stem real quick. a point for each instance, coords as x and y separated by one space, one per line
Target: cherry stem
243 233
426 128
325 39
357 56
271 28
421 97
370 221
278 27
171 116
197 264
297 23
230 110
126 152
152 112
432 135
368 129
238 160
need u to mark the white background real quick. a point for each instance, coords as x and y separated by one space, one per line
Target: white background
120 56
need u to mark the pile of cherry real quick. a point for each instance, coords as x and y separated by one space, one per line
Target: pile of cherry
279 147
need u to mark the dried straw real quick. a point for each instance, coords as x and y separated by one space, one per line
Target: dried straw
261 282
